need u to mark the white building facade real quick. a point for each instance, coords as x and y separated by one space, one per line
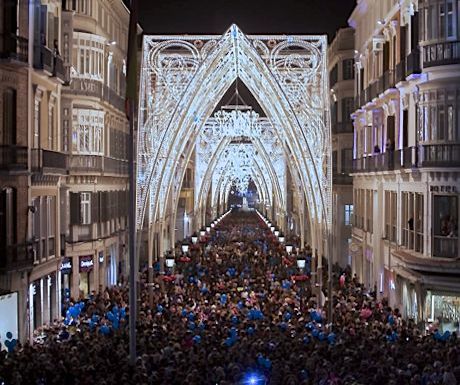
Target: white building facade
407 155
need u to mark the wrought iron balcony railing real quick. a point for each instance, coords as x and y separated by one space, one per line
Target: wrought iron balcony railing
440 155
413 63
400 71
15 257
86 163
445 247
115 166
14 47
111 97
444 53
48 161
13 158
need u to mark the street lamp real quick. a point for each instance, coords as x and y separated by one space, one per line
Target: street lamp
281 239
272 228
276 232
202 233
194 239
208 229
170 261
301 263
185 248
289 249
213 225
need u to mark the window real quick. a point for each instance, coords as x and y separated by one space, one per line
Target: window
7 220
88 128
8 125
370 211
333 76
347 109
348 214
438 115
445 226
348 69
85 207
37 120
347 160
412 221
439 21
390 215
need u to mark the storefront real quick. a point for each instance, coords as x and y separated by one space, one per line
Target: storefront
442 310
86 267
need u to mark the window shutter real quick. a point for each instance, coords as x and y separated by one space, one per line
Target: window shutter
75 209
94 207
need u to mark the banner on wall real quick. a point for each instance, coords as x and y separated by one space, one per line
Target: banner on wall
8 321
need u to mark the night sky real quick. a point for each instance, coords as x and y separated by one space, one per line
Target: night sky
252 16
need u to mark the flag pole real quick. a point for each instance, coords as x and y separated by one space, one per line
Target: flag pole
131 94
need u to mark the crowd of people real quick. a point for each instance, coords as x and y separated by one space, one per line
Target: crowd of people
233 312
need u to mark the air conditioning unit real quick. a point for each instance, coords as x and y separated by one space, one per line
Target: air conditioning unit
377 43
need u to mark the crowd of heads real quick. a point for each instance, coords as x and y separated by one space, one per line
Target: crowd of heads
233 312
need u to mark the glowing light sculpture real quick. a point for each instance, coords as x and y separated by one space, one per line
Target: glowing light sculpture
184 77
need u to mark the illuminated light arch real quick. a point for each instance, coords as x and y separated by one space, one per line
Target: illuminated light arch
180 91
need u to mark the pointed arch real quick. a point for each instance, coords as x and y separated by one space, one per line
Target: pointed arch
304 131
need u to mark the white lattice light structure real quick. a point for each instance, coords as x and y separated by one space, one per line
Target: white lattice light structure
183 78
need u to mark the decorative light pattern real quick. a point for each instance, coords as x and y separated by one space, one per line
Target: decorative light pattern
184 77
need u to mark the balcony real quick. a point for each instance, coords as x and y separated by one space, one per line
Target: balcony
97 164
445 247
86 164
413 63
440 54
406 158
111 97
400 71
363 97
13 158
374 163
388 80
60 70
43 59
14 47
440 155
342 128
373 91
53 65
115 166
44 161
16 257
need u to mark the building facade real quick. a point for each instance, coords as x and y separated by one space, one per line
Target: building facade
95 135
63 169
341 81
407 155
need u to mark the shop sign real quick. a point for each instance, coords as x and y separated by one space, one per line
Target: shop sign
66 266
86 263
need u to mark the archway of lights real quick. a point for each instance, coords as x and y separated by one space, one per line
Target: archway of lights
183 78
